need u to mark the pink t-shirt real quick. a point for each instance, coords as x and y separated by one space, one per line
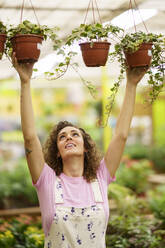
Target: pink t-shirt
77 192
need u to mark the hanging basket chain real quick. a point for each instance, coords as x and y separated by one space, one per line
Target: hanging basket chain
22 8
93 3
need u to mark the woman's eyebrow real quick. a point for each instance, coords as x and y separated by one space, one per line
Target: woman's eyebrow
73 130
61 133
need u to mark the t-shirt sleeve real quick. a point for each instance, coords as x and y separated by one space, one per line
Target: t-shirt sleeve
44 187
104 173
46 173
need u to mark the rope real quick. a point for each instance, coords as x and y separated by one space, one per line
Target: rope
98 11
22 8
23 2
93 11
87 11
141 16
131 7
93 3
34 12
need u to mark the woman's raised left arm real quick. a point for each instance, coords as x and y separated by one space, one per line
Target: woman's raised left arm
117 144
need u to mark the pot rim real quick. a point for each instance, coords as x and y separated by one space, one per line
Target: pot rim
97 42
140 47
26 35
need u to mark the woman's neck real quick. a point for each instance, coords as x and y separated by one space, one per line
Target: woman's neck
73 166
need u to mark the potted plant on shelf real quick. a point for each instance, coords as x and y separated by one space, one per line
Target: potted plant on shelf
26 39
94 42
2 38
137 50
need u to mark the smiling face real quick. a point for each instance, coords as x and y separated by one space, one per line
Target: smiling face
70 142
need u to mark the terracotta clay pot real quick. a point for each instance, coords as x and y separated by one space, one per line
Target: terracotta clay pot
96 55
2 44
27 47
141 57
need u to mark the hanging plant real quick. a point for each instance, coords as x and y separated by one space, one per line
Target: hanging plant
94 38
140 49
26 38
2 38
94 42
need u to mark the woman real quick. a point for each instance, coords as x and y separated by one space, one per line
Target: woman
70 178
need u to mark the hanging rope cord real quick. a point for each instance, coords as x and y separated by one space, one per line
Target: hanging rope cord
22 8
92 3
23 2
141 16
131 8
98 11
93 13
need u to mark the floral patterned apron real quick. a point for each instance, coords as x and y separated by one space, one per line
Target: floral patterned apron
77 227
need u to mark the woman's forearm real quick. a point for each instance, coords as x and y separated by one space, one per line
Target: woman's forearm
126 113
27 115
117 144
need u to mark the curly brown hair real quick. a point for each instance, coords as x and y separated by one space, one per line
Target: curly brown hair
92 155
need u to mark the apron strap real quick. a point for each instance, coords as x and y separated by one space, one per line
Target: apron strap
58 191
96 191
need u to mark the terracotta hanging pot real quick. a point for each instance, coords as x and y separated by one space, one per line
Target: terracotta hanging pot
142 57
27 47
95 55
2 44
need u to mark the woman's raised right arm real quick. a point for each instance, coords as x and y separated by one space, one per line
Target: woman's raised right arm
33 148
